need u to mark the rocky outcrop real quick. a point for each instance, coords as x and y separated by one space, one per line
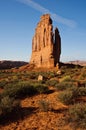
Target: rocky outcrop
46 44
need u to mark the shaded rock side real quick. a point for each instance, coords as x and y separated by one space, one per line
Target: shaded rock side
46 44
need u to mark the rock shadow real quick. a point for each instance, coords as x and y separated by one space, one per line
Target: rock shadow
50 91
60 110
17 115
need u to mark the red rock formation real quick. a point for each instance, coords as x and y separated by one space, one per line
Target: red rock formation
46 45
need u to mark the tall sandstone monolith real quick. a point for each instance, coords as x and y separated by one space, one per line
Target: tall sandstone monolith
46 44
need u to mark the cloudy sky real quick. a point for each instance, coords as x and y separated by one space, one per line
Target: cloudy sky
18 19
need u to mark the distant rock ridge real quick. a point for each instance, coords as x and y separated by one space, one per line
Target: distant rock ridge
5 64
46 44
78 62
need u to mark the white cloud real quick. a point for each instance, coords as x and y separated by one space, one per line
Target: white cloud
55 17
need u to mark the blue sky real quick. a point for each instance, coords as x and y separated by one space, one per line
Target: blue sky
18 19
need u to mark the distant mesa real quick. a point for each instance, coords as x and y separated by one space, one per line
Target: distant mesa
4 64
46 44
78 62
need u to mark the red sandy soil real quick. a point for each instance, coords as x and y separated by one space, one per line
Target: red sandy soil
30 117
1 90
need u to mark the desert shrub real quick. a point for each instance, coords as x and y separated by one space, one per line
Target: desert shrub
84 84
83 74
40 88
3 75
82 91
48 74
22 89
52 74
13 81
19 90
65 78
7 105
52 82
2 83
32 75
68 96
77 115
64 85
14 77
41 81
44 105
74 90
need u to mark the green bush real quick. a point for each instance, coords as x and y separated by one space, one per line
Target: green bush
68 96
82 91
52 74
48 74
2 84
77 115
52 82
41 88
65 78
74 90
44 105
22 89
64 85
7 105
19 90
83 75
41 81
32 75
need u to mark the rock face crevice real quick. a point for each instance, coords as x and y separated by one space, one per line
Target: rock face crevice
46 44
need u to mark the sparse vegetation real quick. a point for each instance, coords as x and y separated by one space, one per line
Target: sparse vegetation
2 83
65 78
70 95
22 89
64 85
41 88
77 115
52 82
68 89
44 105
66 97
7 105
